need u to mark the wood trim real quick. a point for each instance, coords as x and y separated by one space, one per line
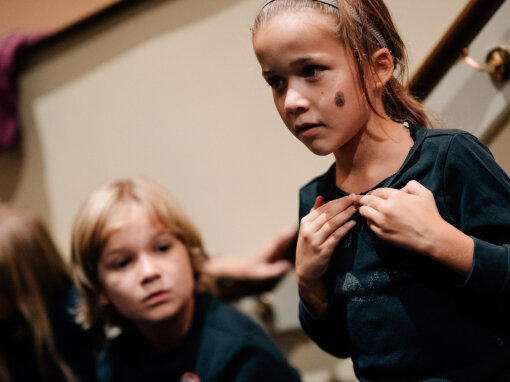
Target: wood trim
461 33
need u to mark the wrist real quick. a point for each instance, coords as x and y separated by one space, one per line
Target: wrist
314 295
452 248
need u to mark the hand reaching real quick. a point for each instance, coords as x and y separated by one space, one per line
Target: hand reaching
266 263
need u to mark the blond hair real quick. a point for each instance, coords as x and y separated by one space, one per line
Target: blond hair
93 226
356 21
32 273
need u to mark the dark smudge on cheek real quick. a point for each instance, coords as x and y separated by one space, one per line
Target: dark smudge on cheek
339 99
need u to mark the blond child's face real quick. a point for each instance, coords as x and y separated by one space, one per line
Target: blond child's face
145 271
313 79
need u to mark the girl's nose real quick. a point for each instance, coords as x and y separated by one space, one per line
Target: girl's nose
149 270
295 101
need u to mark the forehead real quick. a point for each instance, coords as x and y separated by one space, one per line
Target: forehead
295 30
126 214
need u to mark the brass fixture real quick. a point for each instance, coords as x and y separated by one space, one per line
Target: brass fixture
497 63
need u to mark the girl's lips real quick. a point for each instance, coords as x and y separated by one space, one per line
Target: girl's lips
307 130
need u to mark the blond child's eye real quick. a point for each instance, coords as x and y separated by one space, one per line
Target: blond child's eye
163 247
120 263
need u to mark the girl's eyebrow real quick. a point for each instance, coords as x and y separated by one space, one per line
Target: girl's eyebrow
296 63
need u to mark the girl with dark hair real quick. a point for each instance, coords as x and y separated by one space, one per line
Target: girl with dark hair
403 255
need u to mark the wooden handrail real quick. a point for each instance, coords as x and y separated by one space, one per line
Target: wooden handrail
461 33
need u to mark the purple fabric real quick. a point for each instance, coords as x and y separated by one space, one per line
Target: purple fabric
10 46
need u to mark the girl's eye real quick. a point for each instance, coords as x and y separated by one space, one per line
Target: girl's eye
275 82
311 70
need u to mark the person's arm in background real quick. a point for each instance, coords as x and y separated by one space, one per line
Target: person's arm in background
260 272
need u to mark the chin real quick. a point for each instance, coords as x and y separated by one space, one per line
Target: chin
320 151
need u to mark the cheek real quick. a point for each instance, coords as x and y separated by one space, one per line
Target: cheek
339 99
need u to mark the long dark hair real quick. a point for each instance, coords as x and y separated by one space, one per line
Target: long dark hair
32 273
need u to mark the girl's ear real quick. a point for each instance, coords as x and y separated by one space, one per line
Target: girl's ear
103 300
382 67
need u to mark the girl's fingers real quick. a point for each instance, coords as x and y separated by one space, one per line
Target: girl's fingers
319 201
331 226
329 210
370 213
374 228
383 193
415 188
333 239
372 201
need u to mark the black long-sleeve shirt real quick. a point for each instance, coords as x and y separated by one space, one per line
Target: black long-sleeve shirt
400 315
222 345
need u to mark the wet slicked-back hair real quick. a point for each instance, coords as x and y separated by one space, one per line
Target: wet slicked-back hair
355 18
94 224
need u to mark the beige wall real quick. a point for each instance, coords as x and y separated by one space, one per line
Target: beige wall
51 15
171 90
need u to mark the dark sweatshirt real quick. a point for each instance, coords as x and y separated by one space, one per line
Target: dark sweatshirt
402 316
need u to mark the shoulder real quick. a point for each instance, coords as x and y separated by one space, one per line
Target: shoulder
318 181
453 148
224 321
452 138
228 333
444 136
464 152
319 185
234 347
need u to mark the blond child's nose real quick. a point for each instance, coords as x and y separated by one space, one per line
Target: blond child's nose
148 268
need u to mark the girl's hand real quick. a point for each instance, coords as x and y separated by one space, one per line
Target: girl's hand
319 233
404 217
409 218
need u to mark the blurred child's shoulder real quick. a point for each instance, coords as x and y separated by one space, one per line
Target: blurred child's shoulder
224 318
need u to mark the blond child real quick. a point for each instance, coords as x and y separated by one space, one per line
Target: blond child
137 259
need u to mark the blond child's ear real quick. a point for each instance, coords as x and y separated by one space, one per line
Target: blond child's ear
103 300
383 67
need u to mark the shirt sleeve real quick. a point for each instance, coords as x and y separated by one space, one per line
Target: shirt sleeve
326 330
478 201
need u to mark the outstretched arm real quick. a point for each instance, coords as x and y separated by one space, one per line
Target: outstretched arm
235 278
267 262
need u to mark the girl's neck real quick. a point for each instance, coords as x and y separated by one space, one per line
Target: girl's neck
167 334
374 154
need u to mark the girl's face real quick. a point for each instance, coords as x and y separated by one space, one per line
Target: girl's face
315 86
145 271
